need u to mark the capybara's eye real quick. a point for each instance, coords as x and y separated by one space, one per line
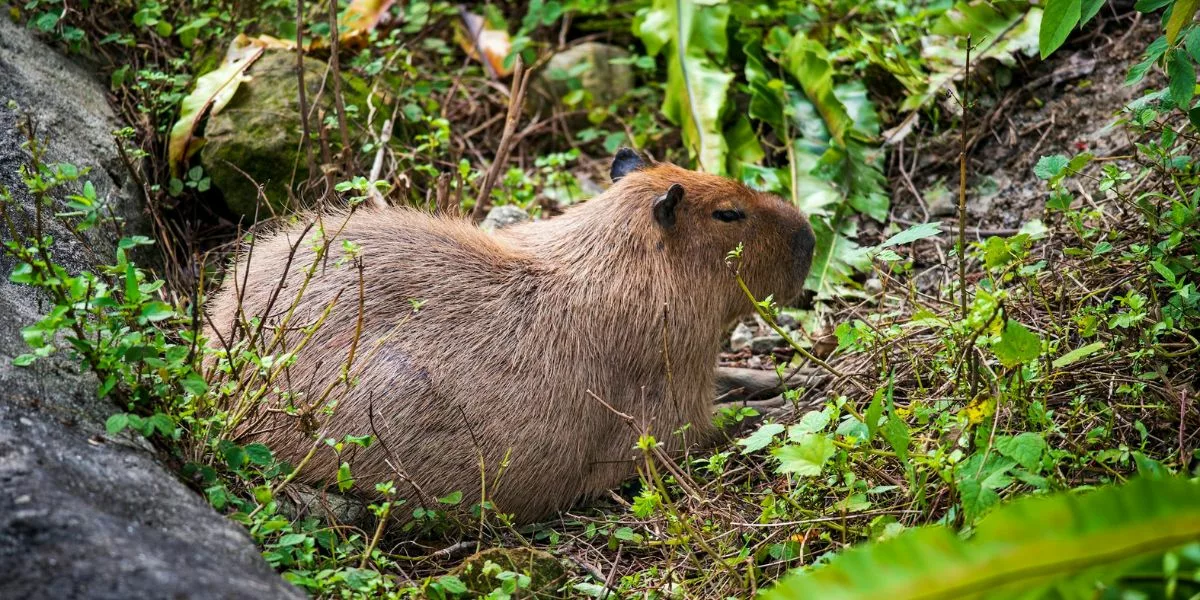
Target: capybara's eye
729 216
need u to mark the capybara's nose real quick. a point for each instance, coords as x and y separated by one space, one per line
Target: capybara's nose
803 243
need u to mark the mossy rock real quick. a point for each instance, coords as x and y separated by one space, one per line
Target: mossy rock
605 81
259 132
546 574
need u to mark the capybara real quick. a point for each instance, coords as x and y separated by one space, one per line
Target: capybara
497 363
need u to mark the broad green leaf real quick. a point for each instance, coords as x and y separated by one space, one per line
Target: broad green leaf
1077 354
452 499
807 61
806 457
1181 78
1025 448
1182 13
761 438
912 234
1088 10
813 421
116 423
694 43
1048 167
836 258
1059 18
194 384
259 454
1017 345
1066 543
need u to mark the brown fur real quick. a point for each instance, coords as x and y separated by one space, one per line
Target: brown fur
516 328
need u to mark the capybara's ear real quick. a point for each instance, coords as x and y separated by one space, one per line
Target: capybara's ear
664 206
625 162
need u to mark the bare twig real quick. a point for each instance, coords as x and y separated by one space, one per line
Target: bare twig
516 97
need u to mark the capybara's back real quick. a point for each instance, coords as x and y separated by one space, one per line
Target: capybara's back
503 349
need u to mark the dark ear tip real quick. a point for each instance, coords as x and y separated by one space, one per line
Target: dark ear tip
625 162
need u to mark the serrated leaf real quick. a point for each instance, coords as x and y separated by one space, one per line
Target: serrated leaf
452 499
1077 354
1058 20
1017 345
454 585
1025 448
194 384
761 438
813 421
1181 78
259 454
116 423
1049 167
806 457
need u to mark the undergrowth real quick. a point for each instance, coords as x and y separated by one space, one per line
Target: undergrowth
1069 366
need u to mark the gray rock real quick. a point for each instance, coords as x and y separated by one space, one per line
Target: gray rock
786 320
503 216
83 516
765 344
741 337
604 80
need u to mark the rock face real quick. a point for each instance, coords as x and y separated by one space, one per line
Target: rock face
83 515
258 133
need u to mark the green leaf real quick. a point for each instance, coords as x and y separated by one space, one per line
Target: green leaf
1181 76
1034 547
451 499
694 41
24 360
813 421
345 481
1077 354
1058 19
761 438
1182 13
259 454
1017 345
1025 448
157 311
912 234
116 423
1089 9
896 432
1049 167
806 457
194 384
453 585
291 539
235 455
875 412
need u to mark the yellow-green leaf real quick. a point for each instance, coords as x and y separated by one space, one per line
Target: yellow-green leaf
1181 14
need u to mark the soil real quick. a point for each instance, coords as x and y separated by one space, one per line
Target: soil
1065 105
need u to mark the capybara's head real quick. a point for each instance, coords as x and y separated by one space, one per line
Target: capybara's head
700 218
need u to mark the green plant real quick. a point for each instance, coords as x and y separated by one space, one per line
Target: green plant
1066 544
